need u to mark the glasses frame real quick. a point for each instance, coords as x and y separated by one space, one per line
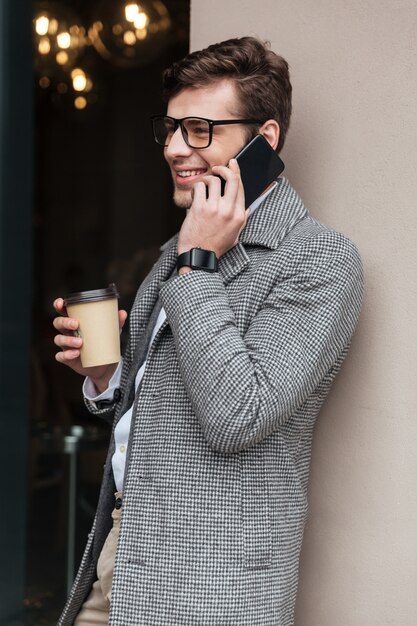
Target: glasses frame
211 123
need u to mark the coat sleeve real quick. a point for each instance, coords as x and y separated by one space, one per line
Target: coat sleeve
242 388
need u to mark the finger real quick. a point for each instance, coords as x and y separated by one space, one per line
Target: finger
65 324
68 341
227 171
199 193
58 304
234 167
67 356
240 198
214 185
122 318
232 178
59 307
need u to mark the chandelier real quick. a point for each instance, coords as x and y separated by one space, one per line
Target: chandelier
126 34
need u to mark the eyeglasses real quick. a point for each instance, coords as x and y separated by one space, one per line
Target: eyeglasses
196 131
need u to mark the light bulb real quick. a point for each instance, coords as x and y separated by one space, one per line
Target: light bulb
41 25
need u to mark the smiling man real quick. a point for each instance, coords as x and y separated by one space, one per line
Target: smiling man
216 101
204 496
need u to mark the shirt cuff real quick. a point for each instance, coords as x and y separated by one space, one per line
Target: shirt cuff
90 390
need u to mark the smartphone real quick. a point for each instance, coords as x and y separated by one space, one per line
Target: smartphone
259 166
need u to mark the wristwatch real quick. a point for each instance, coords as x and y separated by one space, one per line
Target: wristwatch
198 259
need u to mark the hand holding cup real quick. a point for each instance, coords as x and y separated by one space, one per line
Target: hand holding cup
89 334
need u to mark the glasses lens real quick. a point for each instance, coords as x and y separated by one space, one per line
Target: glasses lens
163 128
197 131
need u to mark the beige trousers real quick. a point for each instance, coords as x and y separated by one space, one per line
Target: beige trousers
95 610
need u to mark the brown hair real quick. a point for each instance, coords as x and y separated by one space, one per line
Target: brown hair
261 78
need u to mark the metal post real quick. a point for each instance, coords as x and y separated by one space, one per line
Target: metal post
70 448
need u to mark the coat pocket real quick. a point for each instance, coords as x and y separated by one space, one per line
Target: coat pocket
255 507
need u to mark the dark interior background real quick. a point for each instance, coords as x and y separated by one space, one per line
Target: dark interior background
102 208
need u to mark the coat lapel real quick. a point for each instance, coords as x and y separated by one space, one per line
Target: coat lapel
270 223
267 226
233 262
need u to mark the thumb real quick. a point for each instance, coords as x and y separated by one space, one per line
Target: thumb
122 318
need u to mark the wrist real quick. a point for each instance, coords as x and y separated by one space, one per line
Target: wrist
101 383
185 247
184 270
197 259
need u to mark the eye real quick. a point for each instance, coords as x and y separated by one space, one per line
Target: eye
197 127
200 130
169 126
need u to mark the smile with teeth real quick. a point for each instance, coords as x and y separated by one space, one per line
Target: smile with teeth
188 173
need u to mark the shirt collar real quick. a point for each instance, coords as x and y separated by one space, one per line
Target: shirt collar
261 198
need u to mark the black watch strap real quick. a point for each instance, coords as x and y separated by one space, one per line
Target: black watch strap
198 259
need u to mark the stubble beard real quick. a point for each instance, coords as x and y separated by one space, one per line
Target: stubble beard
182 199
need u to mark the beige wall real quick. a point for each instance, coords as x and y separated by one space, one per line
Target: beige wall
352 155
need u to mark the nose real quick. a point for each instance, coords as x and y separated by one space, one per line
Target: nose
177 146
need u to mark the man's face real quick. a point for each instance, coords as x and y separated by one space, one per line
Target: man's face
217 101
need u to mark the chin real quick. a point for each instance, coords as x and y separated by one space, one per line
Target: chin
182 198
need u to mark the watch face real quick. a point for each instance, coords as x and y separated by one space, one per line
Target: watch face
203 259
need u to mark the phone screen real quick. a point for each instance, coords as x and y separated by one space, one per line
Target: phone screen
259 167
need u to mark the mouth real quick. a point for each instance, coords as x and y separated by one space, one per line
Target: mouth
185 178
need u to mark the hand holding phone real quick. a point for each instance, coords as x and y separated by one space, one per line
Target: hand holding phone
216 226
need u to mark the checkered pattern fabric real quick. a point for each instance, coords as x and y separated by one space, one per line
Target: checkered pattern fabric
215 493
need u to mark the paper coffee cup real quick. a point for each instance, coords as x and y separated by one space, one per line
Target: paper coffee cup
97 313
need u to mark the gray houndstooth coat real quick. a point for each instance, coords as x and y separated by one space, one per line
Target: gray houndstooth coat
216 481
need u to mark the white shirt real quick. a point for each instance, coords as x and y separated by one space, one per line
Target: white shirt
122 430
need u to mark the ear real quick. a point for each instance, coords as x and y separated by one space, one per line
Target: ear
270 130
